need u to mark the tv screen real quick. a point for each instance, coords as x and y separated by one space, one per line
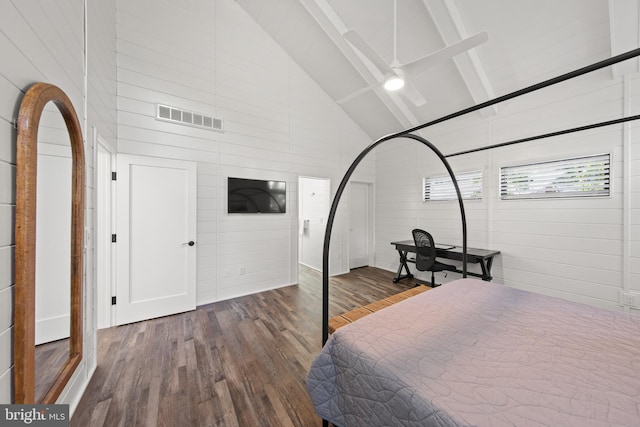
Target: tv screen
256 196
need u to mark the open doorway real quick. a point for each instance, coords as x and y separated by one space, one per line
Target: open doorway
313 209
360 224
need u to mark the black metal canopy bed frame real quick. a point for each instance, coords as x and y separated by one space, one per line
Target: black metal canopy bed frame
362 378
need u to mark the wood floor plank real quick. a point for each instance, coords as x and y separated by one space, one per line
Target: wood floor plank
226 414
99 414
241 362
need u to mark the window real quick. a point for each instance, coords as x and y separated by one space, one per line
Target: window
577 177
441 187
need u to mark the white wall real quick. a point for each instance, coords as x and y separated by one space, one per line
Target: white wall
572 248
631 189
45 41
277 125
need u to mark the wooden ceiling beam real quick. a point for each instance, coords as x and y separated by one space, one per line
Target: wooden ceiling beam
331 23
449 24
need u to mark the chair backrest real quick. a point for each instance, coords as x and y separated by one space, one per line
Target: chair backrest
425 249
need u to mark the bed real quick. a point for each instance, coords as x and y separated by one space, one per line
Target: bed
478 353
473 353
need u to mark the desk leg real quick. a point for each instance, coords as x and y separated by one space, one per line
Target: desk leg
403 265
486 269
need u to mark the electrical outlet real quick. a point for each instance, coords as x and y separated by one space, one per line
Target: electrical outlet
227 272
243 270
629 299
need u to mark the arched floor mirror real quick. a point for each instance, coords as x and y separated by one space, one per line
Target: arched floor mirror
25 379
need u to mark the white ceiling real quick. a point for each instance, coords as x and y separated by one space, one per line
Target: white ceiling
529 41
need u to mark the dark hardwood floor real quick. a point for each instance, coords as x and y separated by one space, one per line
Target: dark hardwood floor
241 362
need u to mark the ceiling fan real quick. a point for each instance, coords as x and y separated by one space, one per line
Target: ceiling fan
394 73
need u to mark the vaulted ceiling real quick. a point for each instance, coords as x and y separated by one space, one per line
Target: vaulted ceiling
528 41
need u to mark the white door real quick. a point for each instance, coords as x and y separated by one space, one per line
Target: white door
104 227
359 225
156 232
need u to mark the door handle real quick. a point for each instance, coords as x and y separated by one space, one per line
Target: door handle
190 243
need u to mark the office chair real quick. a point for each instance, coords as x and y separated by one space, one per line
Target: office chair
426 255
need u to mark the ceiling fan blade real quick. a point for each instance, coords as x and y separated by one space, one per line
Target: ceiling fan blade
357 93
359 43
421 65
412 94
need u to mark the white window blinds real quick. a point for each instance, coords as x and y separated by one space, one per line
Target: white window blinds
576 177
441 187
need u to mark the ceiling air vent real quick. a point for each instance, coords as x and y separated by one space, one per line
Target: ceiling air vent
187 118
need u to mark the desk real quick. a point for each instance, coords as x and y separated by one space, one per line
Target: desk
484 257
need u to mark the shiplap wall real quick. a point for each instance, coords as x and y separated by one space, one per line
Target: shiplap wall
101 71
631 213
572 248
45 41
210 57
100 92
40 42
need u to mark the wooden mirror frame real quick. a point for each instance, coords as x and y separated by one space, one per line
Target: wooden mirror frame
31 107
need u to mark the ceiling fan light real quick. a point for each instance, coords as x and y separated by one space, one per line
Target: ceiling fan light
393 82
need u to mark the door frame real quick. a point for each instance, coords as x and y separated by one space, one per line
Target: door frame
104 220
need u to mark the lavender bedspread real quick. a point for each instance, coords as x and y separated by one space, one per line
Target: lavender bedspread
472 353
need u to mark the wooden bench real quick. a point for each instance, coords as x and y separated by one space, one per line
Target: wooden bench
355 314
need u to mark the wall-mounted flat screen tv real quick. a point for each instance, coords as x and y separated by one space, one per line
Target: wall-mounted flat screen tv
256 196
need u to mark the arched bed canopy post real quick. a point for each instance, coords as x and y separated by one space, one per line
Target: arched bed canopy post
407 134
334 208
